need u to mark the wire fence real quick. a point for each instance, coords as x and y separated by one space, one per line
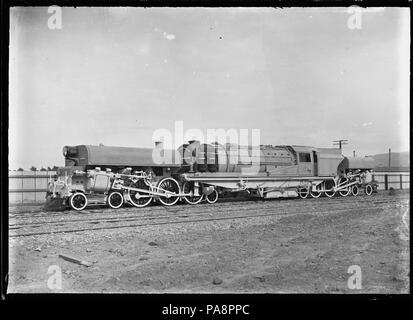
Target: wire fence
29 187
395 180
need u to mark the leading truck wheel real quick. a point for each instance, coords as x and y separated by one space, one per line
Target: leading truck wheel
78 201
115 200
355 190
368 190
212 197
188 187
172 187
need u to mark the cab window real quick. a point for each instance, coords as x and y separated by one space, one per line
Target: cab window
304 157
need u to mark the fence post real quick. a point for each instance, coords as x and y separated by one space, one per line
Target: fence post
35 188
386 182
22 186
401 182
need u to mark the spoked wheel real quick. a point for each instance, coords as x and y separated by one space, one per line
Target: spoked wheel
303 192
115 200
329 185
171 185
139 199
188 187
355 190
315 193
344 192
368 190
78 201
212 197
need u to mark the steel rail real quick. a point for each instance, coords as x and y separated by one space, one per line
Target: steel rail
128 218
282 214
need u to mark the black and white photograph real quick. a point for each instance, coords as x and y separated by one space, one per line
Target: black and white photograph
208 150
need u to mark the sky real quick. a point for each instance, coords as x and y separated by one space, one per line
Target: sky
114 76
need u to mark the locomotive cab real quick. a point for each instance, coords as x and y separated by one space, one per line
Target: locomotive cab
305 163
318 161
307 160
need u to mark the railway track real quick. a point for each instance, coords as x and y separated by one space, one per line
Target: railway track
115 219
37 213
131 211
200 213
125 216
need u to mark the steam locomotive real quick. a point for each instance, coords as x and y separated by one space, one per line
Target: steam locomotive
198 172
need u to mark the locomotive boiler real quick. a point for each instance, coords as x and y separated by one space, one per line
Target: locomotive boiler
199 171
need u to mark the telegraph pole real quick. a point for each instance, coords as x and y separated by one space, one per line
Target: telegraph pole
389 157
340 143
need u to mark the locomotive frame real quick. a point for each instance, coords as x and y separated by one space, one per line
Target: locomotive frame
129 175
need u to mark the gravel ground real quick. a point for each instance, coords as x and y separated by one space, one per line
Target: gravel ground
278 246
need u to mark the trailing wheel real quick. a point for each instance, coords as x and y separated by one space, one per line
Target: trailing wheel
303 192
188 187
212 197
315 193
78 201
368 190
115 200
170 186
343 192
139 199
355 190
329 185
